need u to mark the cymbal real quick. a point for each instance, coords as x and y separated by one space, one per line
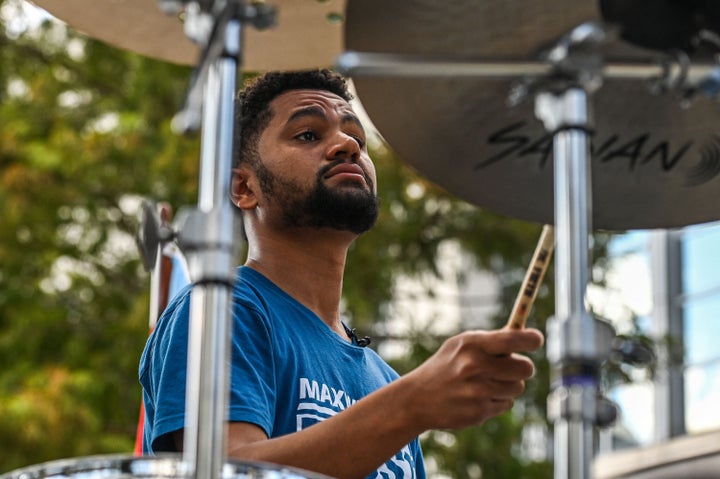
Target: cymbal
307 33
654 163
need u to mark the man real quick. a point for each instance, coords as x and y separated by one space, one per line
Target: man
304 391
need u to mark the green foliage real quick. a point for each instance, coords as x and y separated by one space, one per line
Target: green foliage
81 137
487 451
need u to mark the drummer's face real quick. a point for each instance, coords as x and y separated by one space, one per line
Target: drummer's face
313 163
311 132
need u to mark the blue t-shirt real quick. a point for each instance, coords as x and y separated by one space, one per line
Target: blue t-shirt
289 370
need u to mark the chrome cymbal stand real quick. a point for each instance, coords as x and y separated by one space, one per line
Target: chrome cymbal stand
577 344
205 234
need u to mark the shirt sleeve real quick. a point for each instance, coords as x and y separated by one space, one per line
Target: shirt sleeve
252 384
167 361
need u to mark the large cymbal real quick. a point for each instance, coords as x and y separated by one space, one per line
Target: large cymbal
654 164
305 35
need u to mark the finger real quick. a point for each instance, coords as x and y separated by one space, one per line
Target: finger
507 341
495 407
515 367
497 390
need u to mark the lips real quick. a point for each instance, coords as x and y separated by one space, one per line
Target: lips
349 171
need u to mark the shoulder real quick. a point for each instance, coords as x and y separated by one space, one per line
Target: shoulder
257 296
171 328
251 289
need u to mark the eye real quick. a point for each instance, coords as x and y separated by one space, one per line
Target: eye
360 140
359 137
307 136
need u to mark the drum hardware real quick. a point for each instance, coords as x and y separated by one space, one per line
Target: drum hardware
167 466
200 27
633 352
577 344
205 235
153 232
671 72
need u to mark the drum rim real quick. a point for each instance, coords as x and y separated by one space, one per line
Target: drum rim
165 465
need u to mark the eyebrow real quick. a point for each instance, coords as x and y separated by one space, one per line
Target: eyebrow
317 112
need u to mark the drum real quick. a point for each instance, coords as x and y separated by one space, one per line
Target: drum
149 467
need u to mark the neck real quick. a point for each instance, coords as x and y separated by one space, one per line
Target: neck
308 265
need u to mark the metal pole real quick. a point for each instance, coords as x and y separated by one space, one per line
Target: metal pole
206 233
572 345
207 236
363 64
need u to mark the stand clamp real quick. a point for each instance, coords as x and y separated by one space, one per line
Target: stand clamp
578 368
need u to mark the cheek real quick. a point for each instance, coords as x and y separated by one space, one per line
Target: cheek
292 174
280 163
370 168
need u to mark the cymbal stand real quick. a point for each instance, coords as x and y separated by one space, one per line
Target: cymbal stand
206 232
577 344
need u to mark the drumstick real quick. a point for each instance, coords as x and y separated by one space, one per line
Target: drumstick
533 278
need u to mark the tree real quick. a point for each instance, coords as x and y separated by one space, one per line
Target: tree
86 133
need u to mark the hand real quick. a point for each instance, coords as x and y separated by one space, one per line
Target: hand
472 377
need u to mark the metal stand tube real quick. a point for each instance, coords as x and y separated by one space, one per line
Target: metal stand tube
572 347
207 236
363 64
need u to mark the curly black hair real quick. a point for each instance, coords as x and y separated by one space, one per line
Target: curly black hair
252 104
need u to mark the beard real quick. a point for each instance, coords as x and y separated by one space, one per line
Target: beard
349 209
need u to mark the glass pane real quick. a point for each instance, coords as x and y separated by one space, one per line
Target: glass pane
636 424
702 329
702 396
627 290
701 259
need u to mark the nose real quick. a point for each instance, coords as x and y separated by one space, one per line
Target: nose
344 147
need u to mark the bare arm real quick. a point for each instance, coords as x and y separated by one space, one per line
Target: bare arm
472 377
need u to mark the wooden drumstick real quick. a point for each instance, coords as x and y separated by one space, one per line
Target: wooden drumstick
533 278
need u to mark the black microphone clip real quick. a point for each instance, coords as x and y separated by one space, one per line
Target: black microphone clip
362 342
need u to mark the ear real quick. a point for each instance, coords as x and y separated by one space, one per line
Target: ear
242 192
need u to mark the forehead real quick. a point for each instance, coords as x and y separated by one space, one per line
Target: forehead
287 103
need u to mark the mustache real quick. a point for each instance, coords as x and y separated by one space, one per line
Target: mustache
325 169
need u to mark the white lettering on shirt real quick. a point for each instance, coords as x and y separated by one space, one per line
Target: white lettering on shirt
318 401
